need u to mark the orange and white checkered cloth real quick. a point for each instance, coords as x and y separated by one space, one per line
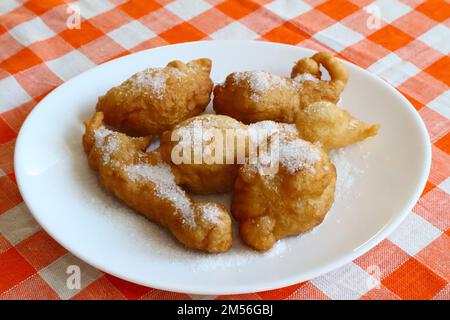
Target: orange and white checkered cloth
405 42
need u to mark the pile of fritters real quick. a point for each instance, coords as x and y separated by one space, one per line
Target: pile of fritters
166 104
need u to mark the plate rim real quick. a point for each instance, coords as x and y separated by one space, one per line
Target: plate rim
383 233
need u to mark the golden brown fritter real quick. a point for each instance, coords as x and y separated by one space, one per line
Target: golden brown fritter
314 89
146 184
291 201
332 126
156 99
252 96
209 170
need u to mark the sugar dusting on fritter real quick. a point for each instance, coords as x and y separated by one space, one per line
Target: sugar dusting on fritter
154 79
99 136
261 81
298 155
258 131
305 77
210 212
161 176
293 154
111 145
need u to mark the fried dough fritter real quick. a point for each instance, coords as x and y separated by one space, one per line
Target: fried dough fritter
332 126
253 96
270 207
214 137
313 88
156 99
146 184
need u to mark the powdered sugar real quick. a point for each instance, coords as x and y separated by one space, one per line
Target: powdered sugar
112 145
298 155
166 188
306 77
258 132
101 135
210 212
154 79
292 154
238 257
260 82
177 73
288 129
346 172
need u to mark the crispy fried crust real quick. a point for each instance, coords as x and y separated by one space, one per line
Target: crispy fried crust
328 90
204 178
156 99
237 97
272 207
254 96
332 126
146 184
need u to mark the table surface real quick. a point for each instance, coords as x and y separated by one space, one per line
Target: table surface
404 42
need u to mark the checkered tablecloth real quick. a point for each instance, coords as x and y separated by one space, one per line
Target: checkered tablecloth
46 42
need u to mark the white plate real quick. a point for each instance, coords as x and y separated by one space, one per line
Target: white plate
388 174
